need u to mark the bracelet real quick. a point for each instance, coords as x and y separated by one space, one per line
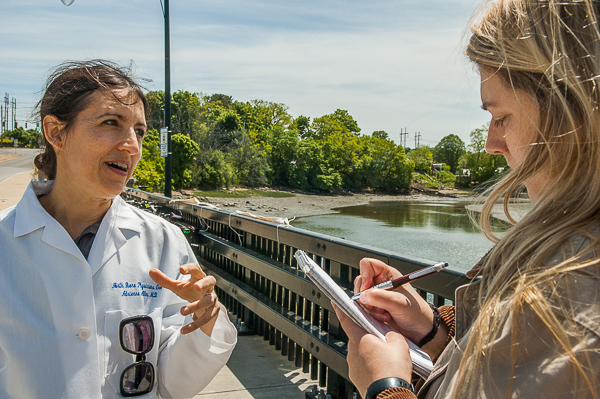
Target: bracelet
381 385
437 319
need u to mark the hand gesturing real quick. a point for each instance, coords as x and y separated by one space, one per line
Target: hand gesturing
198 291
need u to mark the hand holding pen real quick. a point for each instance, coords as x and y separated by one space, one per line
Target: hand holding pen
397 282
403 308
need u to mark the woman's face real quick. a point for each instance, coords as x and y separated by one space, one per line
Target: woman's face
103 145
513 128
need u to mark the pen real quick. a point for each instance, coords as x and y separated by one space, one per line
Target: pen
397 282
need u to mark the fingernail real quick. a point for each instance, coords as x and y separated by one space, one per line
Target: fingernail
184 330
186 310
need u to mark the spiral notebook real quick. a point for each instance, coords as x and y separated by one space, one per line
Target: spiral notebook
422 364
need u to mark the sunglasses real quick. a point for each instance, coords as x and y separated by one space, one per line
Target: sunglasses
137 337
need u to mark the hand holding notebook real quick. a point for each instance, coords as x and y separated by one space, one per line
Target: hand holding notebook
422 363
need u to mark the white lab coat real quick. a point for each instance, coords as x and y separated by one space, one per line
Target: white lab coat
60 313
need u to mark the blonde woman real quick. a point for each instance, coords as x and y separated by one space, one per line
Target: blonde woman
530 327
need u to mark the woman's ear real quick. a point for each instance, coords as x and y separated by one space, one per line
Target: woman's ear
53 128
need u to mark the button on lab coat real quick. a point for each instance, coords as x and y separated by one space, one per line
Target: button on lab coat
60 313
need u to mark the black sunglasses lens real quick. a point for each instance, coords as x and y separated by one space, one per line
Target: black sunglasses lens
137 336
137 379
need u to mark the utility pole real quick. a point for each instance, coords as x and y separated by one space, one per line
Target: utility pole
403 135
6 111
1 125
168 160
14 113
417 139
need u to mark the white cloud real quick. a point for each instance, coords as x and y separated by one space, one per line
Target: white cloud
391 64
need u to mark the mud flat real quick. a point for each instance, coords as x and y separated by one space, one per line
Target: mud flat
302 204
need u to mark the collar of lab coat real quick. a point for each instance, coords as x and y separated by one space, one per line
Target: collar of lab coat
118 225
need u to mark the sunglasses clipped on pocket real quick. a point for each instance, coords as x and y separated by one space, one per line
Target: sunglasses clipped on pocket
136 335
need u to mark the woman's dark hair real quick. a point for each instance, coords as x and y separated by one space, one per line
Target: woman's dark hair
68 90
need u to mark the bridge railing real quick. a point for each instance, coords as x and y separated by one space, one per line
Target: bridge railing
259 281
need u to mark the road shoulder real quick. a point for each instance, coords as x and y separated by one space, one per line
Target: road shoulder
12 189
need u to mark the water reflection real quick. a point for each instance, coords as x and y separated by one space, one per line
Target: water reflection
434 231
447 216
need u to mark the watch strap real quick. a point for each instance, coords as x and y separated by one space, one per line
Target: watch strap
391 382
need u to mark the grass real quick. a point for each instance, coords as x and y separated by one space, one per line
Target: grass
439 180
243 194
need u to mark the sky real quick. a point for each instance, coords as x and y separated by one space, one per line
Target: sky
393 65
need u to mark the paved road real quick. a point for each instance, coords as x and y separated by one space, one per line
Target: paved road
17 165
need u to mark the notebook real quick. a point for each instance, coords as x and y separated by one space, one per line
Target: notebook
422 364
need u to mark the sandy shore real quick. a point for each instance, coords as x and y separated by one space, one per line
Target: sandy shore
302 204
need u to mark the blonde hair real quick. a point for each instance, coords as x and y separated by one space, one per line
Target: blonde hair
551 51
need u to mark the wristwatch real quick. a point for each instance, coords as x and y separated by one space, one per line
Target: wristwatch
385 383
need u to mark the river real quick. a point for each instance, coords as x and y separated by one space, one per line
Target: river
437 230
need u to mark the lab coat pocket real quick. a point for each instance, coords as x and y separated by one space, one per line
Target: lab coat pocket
115 357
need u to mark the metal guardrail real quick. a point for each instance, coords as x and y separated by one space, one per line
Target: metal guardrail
259 281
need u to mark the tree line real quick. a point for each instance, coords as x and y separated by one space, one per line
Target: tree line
219 142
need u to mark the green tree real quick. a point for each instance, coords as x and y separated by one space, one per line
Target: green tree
212 171
156 109
342 150
422 157
184 151
229 121
302 125
259 115
346 120
380 134
225 100
481 165
388 169
186 108
26 138
249 162
449 151
284 145
311 169
340 122
150 170
186 111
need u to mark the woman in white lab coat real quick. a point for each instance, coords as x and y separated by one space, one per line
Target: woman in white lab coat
76 260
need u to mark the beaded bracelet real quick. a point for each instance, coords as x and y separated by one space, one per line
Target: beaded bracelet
437 319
